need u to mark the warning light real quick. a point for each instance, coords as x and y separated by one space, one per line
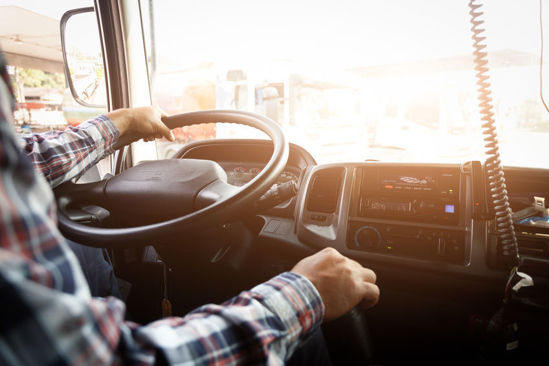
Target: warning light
388 186
477 204
389 247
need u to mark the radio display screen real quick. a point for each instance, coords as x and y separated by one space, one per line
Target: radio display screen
413 194
408 183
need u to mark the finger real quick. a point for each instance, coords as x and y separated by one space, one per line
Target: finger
370 295
165 131
153 137
365 273
368 275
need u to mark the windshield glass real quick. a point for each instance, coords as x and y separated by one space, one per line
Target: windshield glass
353 80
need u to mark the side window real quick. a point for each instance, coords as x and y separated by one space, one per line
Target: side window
31 42
32 46
39 95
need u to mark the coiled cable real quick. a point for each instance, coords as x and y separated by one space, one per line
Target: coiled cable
494 170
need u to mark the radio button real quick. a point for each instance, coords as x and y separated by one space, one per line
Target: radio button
441 247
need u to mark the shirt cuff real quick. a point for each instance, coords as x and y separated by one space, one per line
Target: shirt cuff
295 300
108 131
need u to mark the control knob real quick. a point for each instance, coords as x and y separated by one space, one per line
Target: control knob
367 238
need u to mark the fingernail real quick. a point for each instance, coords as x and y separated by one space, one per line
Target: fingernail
172 137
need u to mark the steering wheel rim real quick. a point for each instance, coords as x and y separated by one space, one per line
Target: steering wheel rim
167 232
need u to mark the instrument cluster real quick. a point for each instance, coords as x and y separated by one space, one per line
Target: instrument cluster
238 175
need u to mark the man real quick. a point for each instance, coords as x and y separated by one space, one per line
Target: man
49 317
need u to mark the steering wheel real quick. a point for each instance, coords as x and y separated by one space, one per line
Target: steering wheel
176 195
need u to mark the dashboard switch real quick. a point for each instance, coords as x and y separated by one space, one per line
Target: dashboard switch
441 247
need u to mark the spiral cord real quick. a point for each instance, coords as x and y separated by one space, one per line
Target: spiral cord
494 170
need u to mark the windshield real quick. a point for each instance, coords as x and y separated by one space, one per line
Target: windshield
353 80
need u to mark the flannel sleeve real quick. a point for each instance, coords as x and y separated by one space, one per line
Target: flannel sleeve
261 326
64 155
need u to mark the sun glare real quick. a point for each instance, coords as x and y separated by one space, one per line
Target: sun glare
355 80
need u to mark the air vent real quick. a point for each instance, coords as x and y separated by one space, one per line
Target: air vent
324 191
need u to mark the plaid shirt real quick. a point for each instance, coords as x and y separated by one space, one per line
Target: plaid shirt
47 315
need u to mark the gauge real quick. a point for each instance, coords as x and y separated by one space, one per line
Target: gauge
240 175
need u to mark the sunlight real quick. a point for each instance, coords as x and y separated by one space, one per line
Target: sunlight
355 80
388 80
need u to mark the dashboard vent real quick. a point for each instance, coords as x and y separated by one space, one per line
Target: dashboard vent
324 191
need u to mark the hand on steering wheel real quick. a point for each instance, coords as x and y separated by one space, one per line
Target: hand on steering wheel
145 122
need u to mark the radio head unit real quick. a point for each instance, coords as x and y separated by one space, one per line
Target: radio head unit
412 194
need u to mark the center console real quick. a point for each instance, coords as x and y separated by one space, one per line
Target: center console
412 211
388 211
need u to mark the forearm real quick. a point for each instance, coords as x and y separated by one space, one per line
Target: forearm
64 155
261 326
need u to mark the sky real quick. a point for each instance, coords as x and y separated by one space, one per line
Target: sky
344 31
367 32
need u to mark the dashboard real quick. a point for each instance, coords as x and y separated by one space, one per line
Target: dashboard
424 229
422 216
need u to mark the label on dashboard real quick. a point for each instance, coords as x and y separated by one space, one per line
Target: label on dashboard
408 183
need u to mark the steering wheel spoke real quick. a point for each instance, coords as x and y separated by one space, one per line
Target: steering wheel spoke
214 192
70 193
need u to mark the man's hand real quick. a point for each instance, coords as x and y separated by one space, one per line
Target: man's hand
144 121
341 282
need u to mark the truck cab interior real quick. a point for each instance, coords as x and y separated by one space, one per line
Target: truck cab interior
378 136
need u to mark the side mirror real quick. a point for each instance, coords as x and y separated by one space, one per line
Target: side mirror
84 67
